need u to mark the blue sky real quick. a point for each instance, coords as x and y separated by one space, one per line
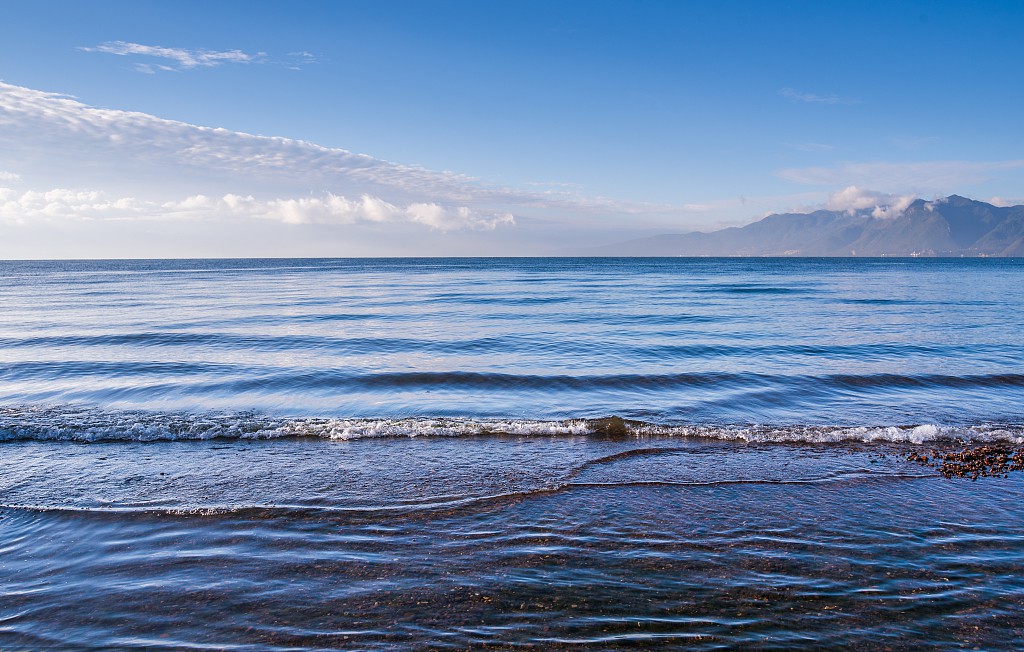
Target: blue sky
489 127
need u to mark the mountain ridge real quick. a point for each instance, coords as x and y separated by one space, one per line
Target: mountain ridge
951 226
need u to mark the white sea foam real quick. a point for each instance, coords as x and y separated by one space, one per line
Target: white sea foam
914 434
73 424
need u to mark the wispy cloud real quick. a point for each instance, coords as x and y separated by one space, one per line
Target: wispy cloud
150 69
181 58
93 205
923 176
127 142
812 98
299 60
9 176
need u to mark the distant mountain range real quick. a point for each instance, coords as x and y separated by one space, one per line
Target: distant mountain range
954 226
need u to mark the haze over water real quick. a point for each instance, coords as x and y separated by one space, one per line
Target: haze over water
382 454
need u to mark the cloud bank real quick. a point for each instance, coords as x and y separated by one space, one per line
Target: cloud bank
64 204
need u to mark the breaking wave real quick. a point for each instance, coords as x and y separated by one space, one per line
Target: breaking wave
86 424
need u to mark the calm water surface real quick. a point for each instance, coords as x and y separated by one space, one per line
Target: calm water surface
398 454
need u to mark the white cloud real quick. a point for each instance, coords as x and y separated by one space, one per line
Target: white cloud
9 176
184 58
811 98
883 205
925 177
61 203
335 209
92 205
1005 201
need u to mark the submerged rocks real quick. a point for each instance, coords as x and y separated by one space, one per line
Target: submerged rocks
978 462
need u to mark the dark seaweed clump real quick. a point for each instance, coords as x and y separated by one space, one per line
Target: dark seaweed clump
979 462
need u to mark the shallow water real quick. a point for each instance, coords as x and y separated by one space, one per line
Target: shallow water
367 454
508 541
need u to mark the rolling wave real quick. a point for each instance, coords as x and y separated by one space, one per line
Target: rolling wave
237 377
508 343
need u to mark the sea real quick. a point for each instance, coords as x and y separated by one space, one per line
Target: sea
507 453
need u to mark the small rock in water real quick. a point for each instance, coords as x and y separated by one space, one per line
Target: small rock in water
613 426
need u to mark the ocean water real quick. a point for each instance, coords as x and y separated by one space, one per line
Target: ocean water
419 453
